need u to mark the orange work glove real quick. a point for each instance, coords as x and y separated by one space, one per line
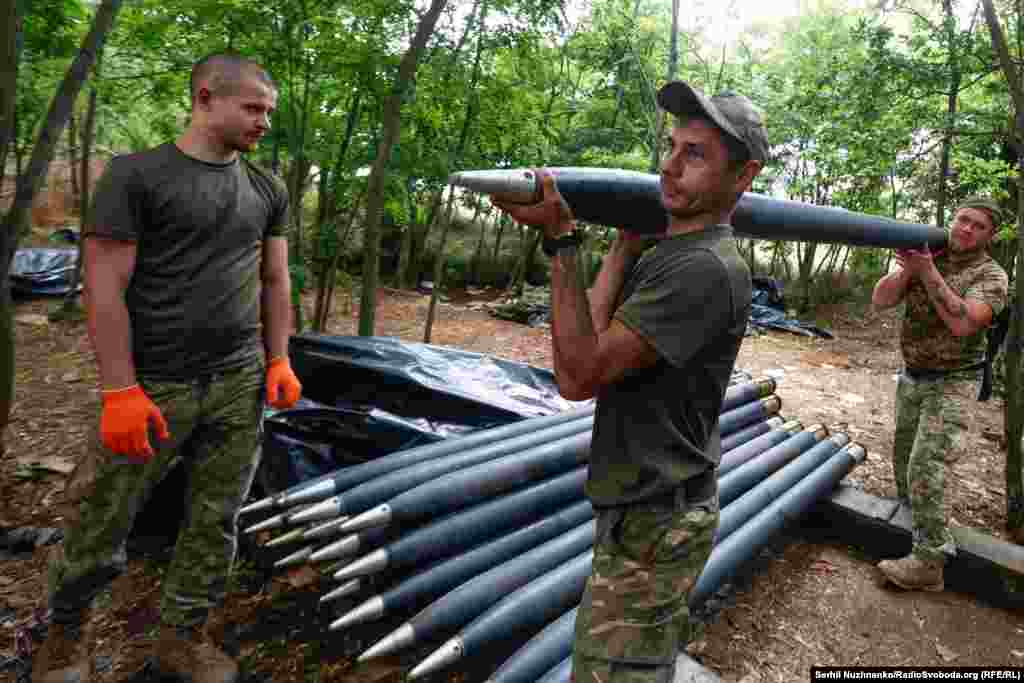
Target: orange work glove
124 424
283 387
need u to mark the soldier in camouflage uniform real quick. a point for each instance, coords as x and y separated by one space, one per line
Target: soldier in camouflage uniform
656 342
951 298
187 293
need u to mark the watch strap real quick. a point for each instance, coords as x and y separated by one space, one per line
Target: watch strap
553 246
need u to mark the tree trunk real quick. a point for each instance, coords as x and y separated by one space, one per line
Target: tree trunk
478 255
420 239
375 184
88 128
467 123
17 219
1013 415
502 222
951 105
10 39
529 244
326 244
403 278
439 267
673 62
72 153
332 269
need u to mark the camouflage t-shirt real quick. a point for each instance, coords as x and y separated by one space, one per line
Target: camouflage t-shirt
925 340
689 297
194 297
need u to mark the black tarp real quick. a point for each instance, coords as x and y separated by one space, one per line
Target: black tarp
768 310
364 397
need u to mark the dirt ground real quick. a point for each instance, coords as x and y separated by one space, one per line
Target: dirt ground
809 604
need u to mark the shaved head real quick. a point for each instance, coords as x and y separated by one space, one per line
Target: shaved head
222 73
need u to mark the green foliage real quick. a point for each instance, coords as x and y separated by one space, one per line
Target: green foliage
855 98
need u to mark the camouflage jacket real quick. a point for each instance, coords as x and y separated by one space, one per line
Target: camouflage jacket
925 340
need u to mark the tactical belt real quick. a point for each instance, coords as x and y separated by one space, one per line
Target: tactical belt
931 373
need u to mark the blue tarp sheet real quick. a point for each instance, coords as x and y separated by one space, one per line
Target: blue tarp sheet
40 271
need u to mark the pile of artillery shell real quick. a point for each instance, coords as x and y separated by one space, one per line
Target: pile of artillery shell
490 534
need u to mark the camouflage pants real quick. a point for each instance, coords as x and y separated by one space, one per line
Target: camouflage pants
930 423
634 617
215 425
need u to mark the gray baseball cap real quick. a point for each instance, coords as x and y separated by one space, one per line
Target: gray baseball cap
733 113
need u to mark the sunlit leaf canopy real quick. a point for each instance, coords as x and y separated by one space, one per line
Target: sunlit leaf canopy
856 94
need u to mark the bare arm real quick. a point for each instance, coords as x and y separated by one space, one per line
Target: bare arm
276 297
600 301
963 317
890 290
108 266
617 263
588 359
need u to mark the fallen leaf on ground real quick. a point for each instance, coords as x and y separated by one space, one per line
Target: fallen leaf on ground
944 652
824 566
32 319
52 463
302 576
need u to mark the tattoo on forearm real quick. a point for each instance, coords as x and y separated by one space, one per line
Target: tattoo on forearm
943 295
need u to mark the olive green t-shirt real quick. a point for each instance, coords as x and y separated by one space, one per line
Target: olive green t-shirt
194 297
689 297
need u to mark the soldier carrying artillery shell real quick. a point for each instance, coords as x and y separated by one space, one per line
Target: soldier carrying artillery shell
655 340
951 298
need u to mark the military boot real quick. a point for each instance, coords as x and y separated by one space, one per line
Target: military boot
65 656
914 573
189 654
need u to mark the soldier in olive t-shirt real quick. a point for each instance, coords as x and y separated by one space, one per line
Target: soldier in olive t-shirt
690 299
194 299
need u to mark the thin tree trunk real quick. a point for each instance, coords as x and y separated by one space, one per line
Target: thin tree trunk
502 222
10 21
439 267
951 106
72 153
403 278
375 184
10 40
673 62
1013 415
332 277
323 253
479 253
88 128
467 123
530 242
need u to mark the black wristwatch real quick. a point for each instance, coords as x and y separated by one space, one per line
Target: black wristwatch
553 246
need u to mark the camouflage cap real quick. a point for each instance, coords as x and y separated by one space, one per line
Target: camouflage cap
985 204
733 113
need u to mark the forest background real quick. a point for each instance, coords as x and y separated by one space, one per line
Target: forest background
897 108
